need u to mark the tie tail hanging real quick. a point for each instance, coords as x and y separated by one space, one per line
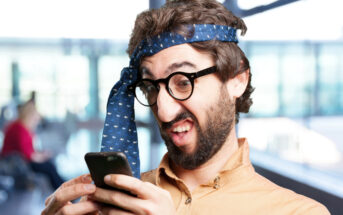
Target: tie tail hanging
119 132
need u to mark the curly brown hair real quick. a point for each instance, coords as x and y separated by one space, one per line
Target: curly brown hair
175 15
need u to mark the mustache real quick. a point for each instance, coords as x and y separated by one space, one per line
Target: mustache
179 117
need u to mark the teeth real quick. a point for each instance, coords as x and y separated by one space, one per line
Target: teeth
181 128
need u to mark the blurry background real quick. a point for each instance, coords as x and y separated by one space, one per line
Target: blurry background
71 54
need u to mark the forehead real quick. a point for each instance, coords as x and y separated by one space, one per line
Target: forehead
183 55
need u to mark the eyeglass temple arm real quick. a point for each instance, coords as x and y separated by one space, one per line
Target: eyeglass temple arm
206 71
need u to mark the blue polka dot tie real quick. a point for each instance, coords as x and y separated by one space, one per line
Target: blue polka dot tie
120 132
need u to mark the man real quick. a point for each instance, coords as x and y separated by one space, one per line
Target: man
196 80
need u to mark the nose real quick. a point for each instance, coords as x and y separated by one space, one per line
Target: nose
167 106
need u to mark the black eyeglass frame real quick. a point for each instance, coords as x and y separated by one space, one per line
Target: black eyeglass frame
191 77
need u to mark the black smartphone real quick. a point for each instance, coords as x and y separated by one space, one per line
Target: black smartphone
101 164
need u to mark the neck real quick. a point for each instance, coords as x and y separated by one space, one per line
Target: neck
26 123
209 170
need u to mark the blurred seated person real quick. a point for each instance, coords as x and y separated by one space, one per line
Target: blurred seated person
19 139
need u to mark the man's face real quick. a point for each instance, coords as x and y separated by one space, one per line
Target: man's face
194 129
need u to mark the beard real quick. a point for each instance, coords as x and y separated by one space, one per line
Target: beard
220 119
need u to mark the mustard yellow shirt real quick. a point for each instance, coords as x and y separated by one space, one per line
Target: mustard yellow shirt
236 190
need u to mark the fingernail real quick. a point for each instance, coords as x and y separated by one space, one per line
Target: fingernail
107 178
89 186
87 178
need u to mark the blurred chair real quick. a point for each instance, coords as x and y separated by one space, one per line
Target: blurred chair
16 174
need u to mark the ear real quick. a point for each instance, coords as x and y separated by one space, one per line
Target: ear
237 85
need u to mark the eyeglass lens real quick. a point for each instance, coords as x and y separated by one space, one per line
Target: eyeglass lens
179 87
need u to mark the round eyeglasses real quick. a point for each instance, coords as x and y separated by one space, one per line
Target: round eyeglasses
179 85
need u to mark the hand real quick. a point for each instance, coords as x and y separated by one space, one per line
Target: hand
149 198
40 157
59 202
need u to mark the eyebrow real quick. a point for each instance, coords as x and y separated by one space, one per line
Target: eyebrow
170 69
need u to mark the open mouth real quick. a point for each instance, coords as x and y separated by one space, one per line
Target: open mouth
181 128
180 132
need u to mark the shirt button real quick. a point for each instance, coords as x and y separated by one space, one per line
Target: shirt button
216 183
188 200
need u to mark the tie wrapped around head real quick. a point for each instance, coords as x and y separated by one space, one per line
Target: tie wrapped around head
120 132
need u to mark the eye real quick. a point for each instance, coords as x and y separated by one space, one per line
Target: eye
146 87
183 83
180 84
150 88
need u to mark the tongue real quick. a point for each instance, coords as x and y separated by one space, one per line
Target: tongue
180 134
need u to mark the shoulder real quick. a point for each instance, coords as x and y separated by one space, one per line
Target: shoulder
149 176
16 127
284 200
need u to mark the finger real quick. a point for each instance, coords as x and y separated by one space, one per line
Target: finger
114 211
48 199
79 208
86 179
64 195
117 198
135 186
83 198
